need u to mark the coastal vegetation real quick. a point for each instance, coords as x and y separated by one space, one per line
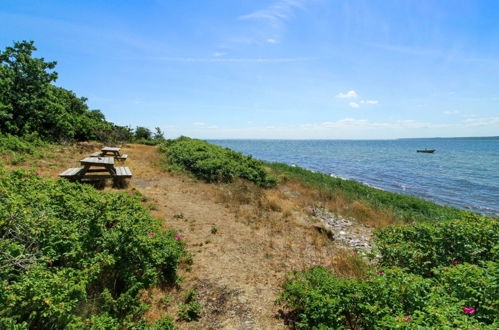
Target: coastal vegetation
72 256
440 275
362 201
32 106
75 257
213 163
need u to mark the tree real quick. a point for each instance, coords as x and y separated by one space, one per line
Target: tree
30 103
143 133
159 134
24 83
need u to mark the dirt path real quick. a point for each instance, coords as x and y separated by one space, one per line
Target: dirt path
244 241
238 269
237 289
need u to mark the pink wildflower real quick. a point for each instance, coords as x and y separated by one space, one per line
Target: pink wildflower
178 238
455 262
130 193
38 173
367 279
354 253
151 234
408 319
468 310
380 272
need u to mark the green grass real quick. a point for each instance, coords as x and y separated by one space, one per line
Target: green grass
406 208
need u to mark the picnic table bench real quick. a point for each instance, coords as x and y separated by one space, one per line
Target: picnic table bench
97 168
115 152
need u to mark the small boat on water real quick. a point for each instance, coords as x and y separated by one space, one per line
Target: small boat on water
428 151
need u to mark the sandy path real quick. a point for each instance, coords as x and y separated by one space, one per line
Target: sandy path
235 287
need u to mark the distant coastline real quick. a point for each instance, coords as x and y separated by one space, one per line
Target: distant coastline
456 138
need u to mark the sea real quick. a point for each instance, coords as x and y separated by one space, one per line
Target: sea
461 172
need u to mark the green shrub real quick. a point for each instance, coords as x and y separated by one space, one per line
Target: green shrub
477 286
423 246
190 310
166 323
386 300
17 145
215 164
71 255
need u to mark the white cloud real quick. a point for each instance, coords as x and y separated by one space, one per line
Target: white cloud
199 124
353 104
451 112
347 95
234 60
473 122
271 20
371 101
218 54
276 12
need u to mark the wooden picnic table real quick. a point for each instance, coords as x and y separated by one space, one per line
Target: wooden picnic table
97 168
103 164
110 151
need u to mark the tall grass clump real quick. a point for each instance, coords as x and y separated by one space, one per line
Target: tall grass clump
214 163
405 208
431 276
73 257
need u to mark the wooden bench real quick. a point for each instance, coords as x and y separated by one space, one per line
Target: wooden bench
122 157
96 154
122 172
71 172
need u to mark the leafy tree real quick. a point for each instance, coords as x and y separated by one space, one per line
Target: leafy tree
30 103
25 85
143 133
159 134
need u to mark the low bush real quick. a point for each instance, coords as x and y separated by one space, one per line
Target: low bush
424 246
213 163
191 309
11 144
442 275
390 299
71 256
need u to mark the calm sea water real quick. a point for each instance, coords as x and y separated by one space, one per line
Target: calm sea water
461 173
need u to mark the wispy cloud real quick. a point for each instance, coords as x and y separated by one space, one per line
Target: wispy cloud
347 95
451 112
410 50
271 20
353 104
276 12
486 121
221 59
369 101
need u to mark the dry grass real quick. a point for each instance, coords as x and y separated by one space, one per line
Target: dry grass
262 235
349 264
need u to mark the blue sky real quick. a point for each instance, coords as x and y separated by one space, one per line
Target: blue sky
338 69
